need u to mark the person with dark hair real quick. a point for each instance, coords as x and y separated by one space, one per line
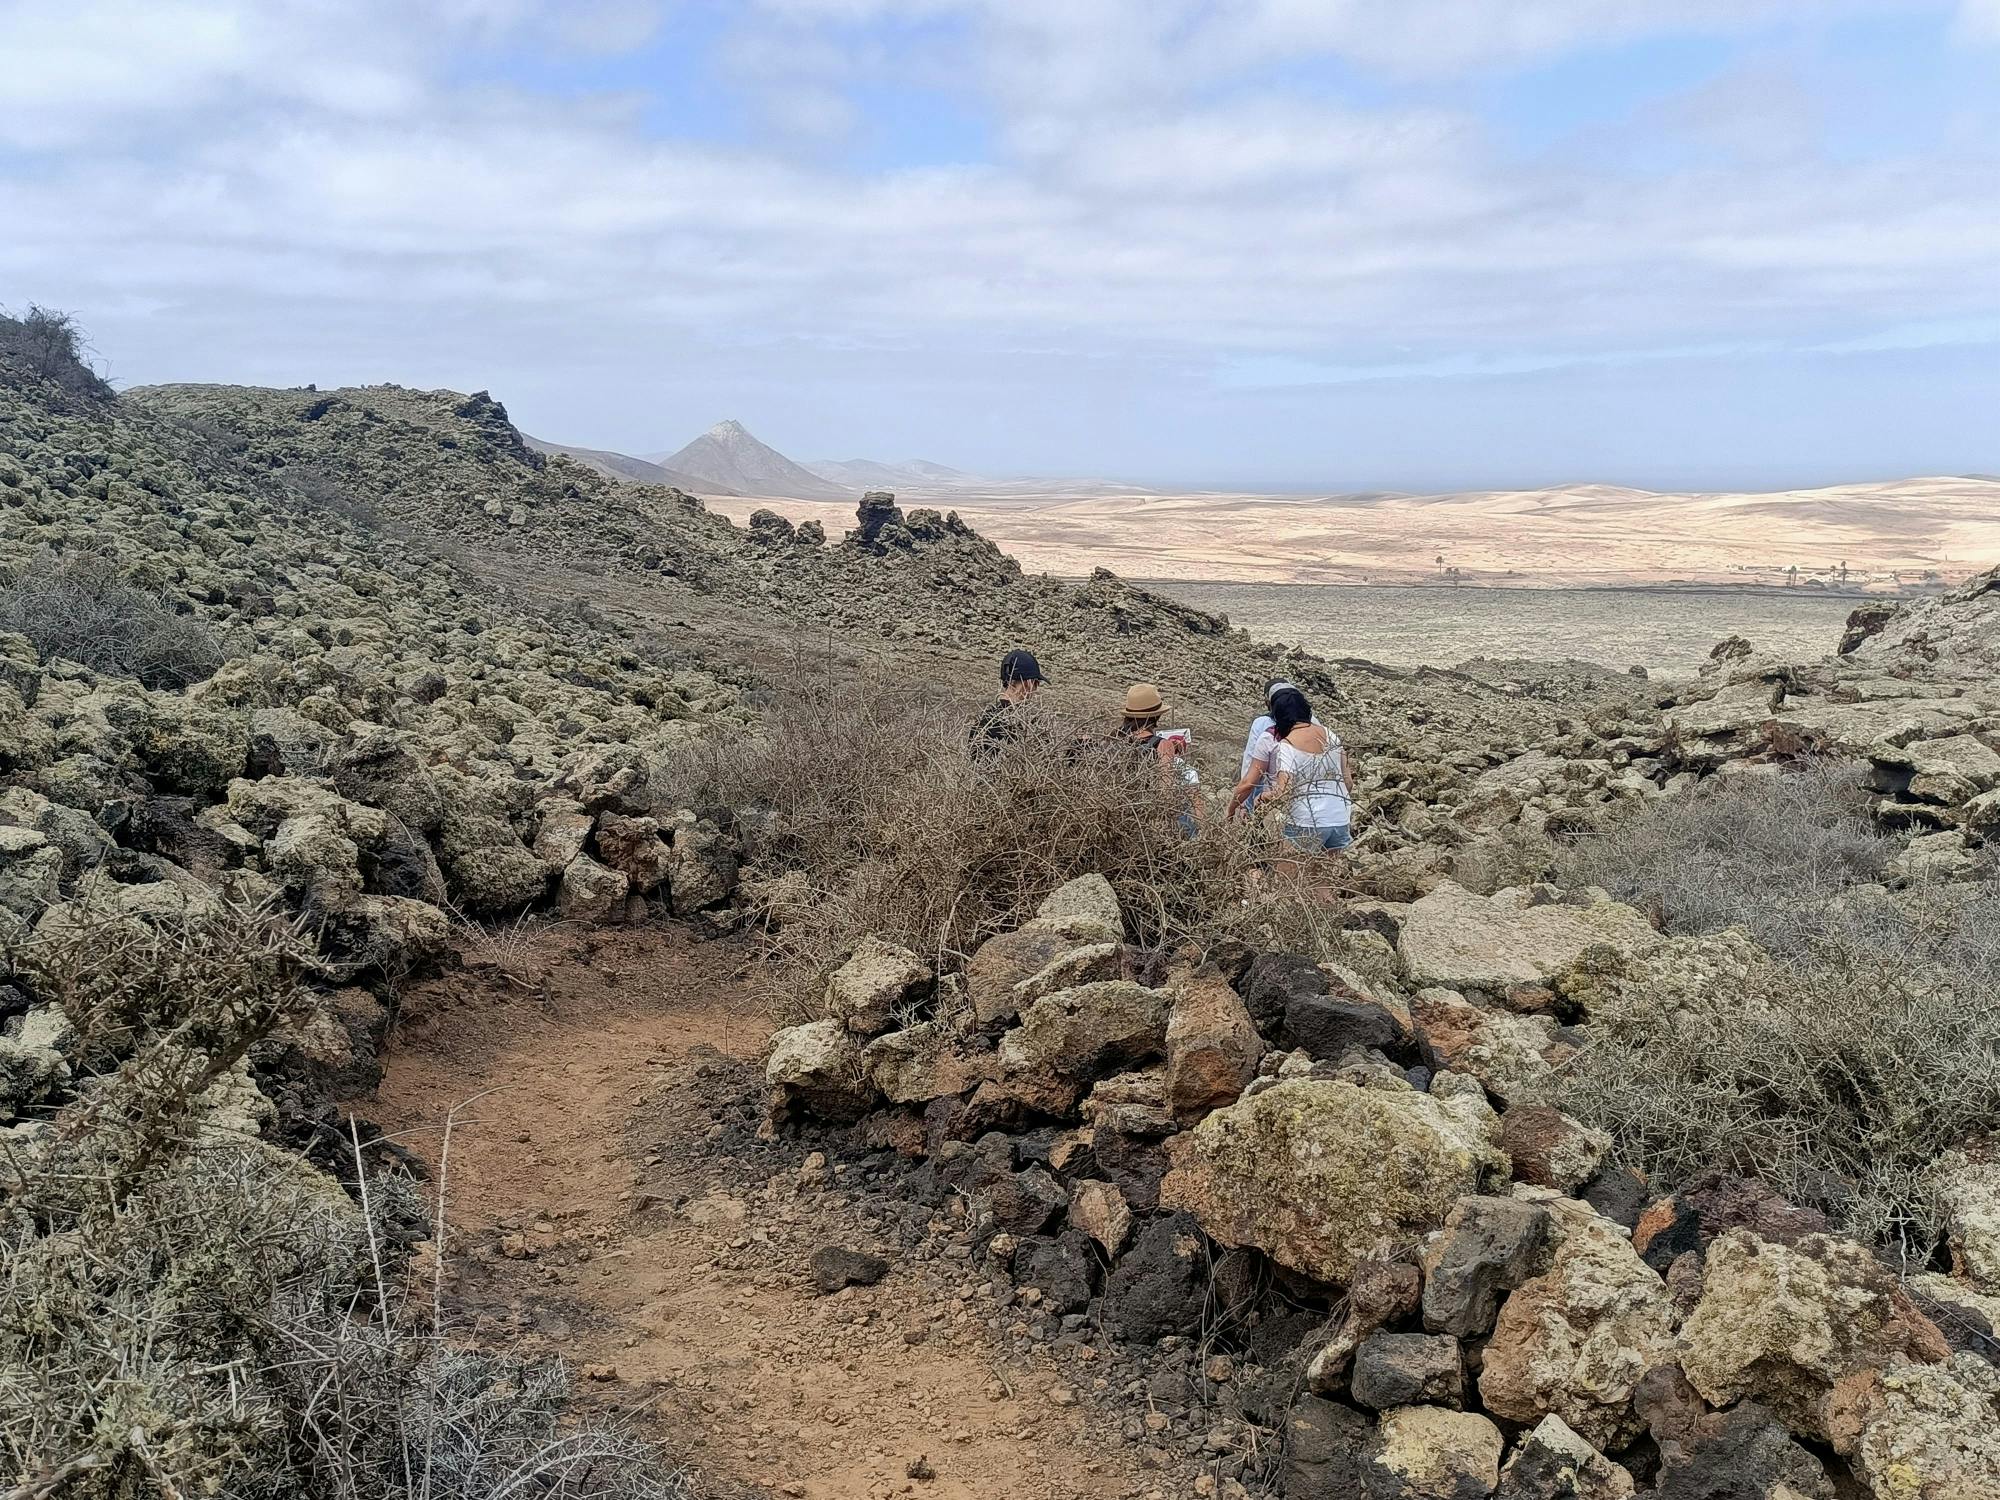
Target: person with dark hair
1254 775
1000 725
1309 776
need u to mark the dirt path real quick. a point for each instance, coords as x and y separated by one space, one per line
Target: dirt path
609 1200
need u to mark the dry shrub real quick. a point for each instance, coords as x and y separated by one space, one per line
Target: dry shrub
886 824
79 606
1861 1045
1768 853
185 1310
50 344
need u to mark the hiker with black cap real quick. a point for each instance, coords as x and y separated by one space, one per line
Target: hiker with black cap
1000 725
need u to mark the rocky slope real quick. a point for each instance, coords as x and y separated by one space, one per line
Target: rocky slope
1371 1253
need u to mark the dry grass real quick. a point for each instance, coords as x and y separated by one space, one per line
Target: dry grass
886 825
79 606
1841 1065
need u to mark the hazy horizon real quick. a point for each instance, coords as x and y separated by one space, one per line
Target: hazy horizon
1420 245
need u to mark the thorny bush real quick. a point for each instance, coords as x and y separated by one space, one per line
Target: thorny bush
79 606
1856 1044
886 825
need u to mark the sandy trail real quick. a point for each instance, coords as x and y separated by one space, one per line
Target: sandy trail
608 1201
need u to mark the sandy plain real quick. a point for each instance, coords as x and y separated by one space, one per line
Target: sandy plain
1888 536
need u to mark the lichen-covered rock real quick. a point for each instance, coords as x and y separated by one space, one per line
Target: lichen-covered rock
1429 1453
312 858
924 1062
30 877
590 892
817 1067
1087 900
1515 1056
1782 1325
1212 1045
1320 1173
1970 1191
866 993
1576 1341
1016 968
1072 1036
1455 940
29 1073
562 833
1927 1431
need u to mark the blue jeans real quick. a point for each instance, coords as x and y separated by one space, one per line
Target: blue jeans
1318 838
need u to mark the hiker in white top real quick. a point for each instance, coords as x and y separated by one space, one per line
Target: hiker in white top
1309 775
1253 777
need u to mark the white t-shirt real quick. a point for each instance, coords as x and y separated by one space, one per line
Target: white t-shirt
1319 796
1261 745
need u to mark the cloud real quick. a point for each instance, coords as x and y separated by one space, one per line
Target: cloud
288 174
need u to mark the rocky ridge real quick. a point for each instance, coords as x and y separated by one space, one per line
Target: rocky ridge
1354 1188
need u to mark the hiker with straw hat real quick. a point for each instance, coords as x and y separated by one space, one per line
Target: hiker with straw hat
1143 710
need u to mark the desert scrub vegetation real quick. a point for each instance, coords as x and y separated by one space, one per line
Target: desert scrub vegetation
1766 853
186 1310
883 823
80 606
1838 1053
50 344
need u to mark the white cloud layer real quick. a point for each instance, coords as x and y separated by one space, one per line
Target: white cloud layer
284 174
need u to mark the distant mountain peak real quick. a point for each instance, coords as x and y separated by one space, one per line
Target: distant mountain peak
728 455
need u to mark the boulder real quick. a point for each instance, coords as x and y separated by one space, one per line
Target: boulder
562 833
1549 1149
1212 1046
1100 1211
1063 1268
1016 967
1326 1451
379 770
1514 1056
1085 965
589 891
1072 1036
1160 1285
1552 1462
1408 1369
388 935
1429 1453
702 866
633 847
1488 1247
1970 1191
1322 1173
1326 1028
1456 940
1575 1341
30 876
817 1067
1927 1431
1782 1325
924 1062
1087 900
867 992
314 860
1739 1454
1274 982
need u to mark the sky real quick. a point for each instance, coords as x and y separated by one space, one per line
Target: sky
1328 244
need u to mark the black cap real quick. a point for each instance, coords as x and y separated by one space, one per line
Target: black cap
1019 666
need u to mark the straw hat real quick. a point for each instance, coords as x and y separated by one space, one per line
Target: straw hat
1143 700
